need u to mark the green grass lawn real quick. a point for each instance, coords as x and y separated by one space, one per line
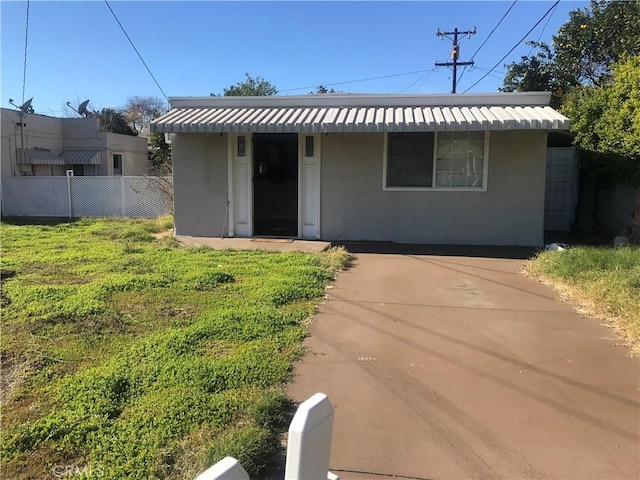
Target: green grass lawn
604 281
129 356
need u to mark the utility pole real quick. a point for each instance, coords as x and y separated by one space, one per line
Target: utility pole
455 53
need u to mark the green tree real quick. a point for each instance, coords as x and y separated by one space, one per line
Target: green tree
114 121
256 87
595 38
606 120
582 52
536 73
578 68
160 161
322 89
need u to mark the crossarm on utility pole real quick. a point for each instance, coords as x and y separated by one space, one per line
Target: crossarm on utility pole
455 53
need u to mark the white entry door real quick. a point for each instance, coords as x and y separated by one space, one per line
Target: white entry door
240 185
309 185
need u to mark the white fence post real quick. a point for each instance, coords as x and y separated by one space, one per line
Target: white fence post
226 469
122 197
308 447
69 176
309 443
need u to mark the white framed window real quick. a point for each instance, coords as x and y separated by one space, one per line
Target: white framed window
436 161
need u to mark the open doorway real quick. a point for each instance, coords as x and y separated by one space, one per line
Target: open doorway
275 185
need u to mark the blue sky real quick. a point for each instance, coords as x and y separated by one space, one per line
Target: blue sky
76 50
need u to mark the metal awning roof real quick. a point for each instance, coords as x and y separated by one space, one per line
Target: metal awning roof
81 157
360 113
39 157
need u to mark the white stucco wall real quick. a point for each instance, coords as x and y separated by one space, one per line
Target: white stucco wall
510 212
134 150
355 207
58 134
38 131
200 184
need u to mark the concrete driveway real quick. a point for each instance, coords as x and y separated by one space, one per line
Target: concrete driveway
449 366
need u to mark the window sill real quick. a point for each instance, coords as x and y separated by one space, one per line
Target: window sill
434 189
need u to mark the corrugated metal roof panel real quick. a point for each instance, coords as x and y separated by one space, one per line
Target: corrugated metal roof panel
81 157
358 119
39 157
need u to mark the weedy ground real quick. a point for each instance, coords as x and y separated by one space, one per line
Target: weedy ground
602 281
128 356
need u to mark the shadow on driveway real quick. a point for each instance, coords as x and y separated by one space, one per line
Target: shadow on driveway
481 251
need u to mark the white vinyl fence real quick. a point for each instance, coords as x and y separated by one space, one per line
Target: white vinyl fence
308 446
138 197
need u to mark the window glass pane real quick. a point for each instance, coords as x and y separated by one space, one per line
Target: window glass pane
308 149
474 180
242 150
443 179
443 164
460 159
410 159
458 180
459 164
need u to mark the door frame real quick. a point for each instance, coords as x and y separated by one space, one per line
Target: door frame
305 163
247 161
234 164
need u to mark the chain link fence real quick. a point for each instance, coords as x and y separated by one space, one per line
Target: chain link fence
136 197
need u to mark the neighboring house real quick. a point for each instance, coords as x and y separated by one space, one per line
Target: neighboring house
438 169
39 145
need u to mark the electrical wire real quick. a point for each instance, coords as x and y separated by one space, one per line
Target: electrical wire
491 73
136 50
515 46
424 80
355 81
486 39
543 29
26 41
423 77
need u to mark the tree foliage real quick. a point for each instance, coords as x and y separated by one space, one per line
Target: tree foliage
321 89
536 73
582 52
160 161
251 87
595 38
606 120
140 110
591 70
113 121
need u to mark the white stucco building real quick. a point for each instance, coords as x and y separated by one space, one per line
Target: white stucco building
40 145
439 169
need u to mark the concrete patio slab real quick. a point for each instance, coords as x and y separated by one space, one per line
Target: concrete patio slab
445 366
276 244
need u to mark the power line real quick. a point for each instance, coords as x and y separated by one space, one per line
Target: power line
26 41
423 77
514 47
488 37
134 47
355 81
424 80
543 29
491 73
